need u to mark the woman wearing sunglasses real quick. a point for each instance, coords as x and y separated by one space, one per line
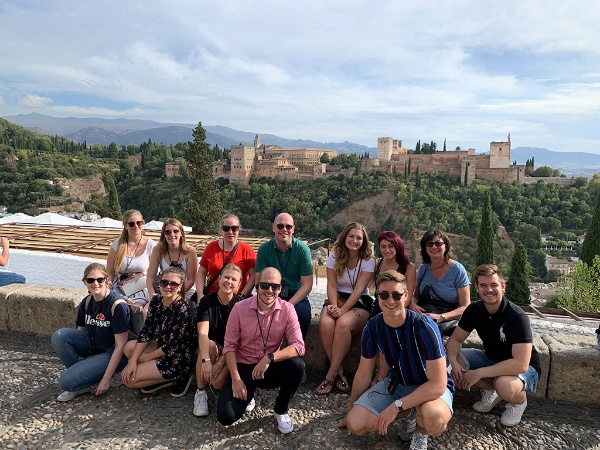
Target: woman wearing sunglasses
219 253
213 313
93 352
172 250
128 260
349 269
442 289
165 348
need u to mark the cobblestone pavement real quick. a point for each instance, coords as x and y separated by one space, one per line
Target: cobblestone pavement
30 417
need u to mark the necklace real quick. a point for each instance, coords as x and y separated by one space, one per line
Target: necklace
173 261
221 301
131 258
439 267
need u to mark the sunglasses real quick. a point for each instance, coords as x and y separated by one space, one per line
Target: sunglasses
171 284
173 231
265 286
234 228
139 223
97 280
287 227
395 295
176 264
437 244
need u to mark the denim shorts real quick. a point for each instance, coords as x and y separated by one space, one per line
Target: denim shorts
474 358
377 397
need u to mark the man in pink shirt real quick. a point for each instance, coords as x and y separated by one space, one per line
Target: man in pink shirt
255 331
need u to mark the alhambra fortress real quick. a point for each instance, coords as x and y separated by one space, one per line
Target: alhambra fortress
305 163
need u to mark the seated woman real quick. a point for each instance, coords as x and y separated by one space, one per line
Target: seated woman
7 277
442 290
165 348
393 257
213 312
228 250
172 250
93 352
349 269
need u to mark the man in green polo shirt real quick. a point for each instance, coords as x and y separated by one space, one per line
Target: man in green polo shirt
292 258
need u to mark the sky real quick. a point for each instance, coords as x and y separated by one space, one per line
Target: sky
466 71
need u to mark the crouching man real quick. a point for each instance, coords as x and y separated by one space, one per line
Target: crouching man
509 365
253 337
417 388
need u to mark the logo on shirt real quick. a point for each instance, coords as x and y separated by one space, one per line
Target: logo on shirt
100 316
502 335
98 321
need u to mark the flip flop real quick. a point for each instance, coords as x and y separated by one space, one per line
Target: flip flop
341 383
324 388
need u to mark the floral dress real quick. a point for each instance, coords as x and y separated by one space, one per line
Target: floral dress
171 327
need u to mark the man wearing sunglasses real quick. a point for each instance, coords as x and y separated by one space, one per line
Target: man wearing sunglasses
418 387
292 258
253 337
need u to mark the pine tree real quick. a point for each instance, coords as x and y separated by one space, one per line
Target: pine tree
444 144
417 179
114 207
418 146
591 244
485 239
203 209
517 287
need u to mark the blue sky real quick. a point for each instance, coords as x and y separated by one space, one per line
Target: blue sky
467 71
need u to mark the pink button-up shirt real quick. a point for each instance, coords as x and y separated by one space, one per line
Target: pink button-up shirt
249 332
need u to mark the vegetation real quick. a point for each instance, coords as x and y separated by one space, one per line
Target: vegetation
591 245
517 287
582 291
485 240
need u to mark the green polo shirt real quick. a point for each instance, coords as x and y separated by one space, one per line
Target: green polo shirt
293 264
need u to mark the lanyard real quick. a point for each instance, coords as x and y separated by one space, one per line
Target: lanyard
356 275
262 338
288 252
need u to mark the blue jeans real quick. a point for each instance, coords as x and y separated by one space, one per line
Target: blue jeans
304 313
7 278
71 345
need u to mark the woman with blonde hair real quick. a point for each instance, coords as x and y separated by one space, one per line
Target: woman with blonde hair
93 352
228 250
349 269
172 250
128 260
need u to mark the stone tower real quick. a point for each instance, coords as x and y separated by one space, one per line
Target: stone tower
242 163
257 142
499 155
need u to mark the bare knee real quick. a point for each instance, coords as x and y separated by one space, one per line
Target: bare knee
433 417
360 421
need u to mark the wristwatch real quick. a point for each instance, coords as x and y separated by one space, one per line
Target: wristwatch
205 360
443 316
271 357
398 404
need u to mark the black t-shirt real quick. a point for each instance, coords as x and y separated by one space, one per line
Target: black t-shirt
99 322
499 331
210 310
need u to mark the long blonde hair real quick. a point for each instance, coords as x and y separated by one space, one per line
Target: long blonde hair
122 244
340 251
162 241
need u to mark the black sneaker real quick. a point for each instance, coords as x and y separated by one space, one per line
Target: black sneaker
157 387
181 387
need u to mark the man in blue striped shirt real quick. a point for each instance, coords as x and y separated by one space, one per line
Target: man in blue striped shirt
418 387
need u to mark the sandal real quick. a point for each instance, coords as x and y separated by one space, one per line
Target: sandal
324 388
341 383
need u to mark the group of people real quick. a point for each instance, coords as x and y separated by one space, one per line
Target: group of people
412 330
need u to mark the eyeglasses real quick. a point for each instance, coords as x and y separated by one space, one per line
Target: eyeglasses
234 228
97 280
437 244
172 231
171 284
288 227
265 286
395 295
139 223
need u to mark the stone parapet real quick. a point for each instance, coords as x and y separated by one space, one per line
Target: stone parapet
570 363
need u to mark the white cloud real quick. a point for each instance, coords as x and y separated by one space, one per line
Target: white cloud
35 101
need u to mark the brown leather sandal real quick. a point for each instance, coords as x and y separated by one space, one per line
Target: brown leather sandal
324 388
341 383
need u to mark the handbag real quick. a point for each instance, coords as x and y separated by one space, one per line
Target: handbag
133 283
211 280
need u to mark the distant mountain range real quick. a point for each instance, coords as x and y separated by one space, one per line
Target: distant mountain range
132 131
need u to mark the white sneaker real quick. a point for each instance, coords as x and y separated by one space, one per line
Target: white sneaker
67 396
513 413
284 422
250 407
489 399
201 403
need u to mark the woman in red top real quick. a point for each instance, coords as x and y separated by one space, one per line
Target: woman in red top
215 254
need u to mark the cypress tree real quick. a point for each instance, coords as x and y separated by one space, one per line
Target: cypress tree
444 144
485 240
591 244
203 209
417 179
114 207
517 287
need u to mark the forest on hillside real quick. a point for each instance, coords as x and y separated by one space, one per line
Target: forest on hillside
422 200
